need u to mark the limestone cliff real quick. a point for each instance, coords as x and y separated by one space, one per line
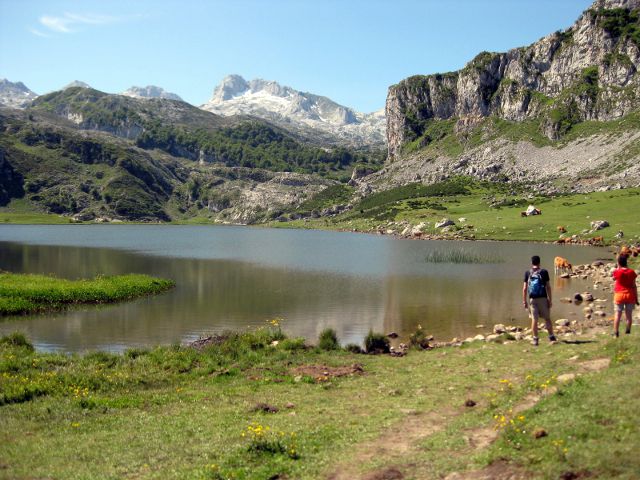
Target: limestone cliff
587 72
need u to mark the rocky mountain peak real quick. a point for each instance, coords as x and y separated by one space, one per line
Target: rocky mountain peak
308 113
150 91
76 83
231 86
15 94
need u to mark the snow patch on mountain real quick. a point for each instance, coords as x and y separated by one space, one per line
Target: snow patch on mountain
306 113
15 94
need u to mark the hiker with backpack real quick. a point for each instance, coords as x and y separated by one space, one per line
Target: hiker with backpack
536 297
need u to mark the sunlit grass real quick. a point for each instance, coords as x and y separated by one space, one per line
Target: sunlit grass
26 293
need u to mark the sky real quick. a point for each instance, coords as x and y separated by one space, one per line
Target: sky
348 50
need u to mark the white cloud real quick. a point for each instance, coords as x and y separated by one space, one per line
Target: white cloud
39 33
69 22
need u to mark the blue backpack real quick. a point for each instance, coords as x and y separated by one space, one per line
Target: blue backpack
535 285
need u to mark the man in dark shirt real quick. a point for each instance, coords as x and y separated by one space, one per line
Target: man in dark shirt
536 297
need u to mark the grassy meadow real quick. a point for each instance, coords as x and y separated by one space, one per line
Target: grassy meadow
491 212
256 405
28 293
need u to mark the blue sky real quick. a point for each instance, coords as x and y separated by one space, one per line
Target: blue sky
348 50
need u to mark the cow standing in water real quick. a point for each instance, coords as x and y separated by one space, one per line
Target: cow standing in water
561 265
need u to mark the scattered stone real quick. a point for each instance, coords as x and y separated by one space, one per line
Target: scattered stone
566 300
588 297
566 377
479 326
392 335
499 328
445 222
539 433
563 322
574 358
479 338
600 313
493 337
290 405
264 407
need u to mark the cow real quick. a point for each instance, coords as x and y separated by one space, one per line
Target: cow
561 265
596 240
561 229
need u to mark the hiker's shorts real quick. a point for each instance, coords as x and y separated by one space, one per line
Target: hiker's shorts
539 307
625 307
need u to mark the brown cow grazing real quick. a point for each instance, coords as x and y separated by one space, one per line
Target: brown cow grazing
596 241
625 251
523 214
561 229
562 265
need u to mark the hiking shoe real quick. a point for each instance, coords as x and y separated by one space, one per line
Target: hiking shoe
534 342
628 331
553 339
615 334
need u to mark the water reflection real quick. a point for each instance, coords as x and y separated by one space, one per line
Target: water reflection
314 280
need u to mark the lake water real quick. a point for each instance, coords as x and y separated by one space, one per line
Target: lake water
233 277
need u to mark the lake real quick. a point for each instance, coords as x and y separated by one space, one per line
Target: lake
230 277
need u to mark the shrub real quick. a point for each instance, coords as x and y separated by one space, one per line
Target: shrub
328 340
353 348
418 339
292 344
376 343
16 339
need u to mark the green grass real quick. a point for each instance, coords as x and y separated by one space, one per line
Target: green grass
492 213
176 412
26 293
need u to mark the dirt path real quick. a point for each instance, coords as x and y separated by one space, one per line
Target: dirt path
396 445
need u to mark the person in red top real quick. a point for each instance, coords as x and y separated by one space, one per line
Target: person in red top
625 293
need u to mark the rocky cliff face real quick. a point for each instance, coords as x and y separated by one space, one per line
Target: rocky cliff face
587 72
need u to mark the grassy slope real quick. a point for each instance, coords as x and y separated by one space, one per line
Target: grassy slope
178 413
574 212
25 293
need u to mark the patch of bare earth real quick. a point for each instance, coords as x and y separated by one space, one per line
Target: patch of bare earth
481 438
500 470
393 445
323 373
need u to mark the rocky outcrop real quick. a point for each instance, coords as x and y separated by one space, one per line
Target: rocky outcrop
587 72
150 91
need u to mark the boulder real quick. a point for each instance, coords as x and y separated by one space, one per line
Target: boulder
445 222
563 322
599 225
499 328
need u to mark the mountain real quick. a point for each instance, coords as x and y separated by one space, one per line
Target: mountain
150 91
310 115
76 83
15 95
91 155
562 110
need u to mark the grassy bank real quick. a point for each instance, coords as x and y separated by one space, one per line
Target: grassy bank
491 212
256 405
25 293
